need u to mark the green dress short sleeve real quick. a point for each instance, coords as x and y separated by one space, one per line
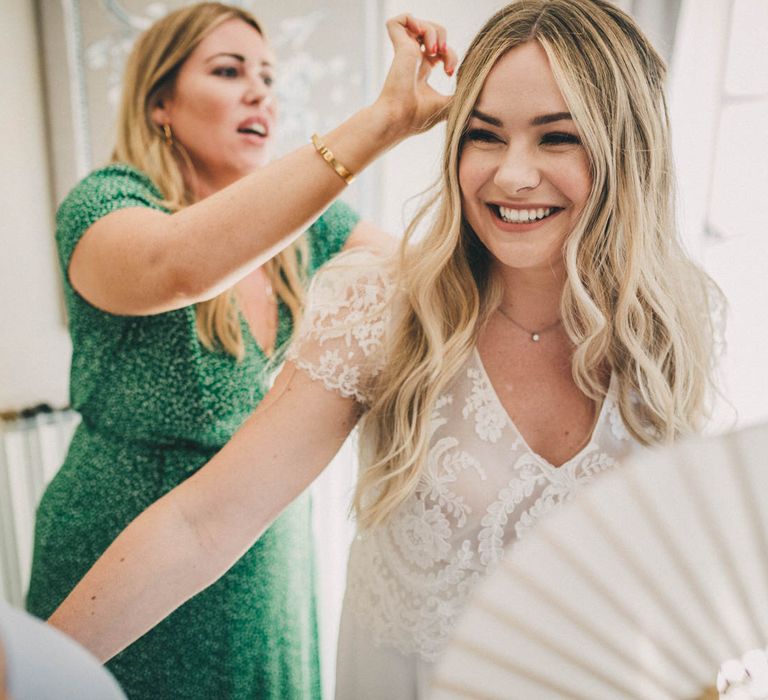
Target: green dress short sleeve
117 186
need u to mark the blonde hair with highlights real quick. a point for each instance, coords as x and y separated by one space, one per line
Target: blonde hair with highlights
632 301
150 74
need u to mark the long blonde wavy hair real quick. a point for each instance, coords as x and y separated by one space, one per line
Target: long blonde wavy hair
150 74
632 302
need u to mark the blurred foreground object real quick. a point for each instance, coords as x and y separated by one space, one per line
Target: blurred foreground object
41 663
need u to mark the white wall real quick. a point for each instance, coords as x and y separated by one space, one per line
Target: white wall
34 346
718 136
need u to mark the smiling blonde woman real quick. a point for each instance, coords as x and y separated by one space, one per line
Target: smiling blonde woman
546 327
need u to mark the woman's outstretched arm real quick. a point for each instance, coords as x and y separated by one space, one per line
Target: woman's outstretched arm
186 540
140 261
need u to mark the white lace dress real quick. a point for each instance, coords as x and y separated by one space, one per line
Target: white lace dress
408 581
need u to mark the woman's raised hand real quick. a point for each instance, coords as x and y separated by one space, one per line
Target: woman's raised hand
410 100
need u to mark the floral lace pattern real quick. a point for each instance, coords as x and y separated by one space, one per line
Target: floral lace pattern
482 487
489 416
340 339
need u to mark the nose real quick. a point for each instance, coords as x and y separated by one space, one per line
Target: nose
257 92
517 171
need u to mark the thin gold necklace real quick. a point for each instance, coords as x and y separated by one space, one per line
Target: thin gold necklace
534 334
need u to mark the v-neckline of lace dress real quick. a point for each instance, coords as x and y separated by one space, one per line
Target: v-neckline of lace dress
579 454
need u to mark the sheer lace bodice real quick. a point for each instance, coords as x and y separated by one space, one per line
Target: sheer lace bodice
482 487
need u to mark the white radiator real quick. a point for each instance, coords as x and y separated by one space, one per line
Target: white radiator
31 451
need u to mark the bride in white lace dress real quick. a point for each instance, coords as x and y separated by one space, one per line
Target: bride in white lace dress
546 325
481 484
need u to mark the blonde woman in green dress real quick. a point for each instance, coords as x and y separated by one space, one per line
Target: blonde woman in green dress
184 266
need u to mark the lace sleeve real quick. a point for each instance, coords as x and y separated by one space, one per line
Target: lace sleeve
341 339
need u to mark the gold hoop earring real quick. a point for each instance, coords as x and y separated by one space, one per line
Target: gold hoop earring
168 135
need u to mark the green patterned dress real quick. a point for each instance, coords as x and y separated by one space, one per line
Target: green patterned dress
156 406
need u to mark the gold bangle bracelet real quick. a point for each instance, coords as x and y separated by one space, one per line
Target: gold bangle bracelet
328 157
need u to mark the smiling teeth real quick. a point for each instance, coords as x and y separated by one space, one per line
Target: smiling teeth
524 215
259 129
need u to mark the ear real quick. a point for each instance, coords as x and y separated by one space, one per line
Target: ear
161 113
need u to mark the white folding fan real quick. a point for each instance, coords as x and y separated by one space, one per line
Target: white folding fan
639 589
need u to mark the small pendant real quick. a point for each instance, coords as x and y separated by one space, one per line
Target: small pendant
535 337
